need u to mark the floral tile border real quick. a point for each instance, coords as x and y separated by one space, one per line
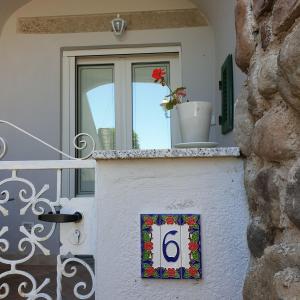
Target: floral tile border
147 269
195 269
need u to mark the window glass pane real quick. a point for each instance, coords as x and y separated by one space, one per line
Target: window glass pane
95 114
151 127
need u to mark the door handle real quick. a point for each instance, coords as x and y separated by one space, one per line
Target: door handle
61 218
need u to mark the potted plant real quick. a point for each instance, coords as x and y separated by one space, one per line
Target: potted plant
194 116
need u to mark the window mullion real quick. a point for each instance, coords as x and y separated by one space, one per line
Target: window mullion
128 103
118 78
175 81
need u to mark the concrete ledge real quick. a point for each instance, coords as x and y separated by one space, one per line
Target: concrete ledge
167 153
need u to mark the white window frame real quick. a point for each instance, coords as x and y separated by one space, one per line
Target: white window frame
70 60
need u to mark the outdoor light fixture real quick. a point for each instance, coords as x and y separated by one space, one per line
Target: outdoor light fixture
118 25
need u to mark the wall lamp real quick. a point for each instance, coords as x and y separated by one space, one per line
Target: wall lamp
119 25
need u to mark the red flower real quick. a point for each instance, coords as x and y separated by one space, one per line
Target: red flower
171 272
191 221
192 271
150 271
193 246
148 246
158 74
170 220
149 221
181 92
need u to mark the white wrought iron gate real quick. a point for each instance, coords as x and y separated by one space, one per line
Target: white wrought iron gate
47 240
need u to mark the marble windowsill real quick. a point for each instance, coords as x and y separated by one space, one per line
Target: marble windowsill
166 153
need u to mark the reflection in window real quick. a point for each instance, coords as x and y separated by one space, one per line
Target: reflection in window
103 116
95 114
151 128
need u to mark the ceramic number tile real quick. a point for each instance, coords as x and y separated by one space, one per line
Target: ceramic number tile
191 247
150 246
170 246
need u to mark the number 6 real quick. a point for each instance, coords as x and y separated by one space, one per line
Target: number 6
165 245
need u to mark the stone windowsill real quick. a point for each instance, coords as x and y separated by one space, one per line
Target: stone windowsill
166 153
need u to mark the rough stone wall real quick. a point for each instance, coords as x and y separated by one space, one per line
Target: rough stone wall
268 133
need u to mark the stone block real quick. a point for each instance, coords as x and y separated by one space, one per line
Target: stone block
266 34
262 6
259 283
267 187
258 238
292 201
257 103
244 123
245 40
289 71
285 13
287 283
253 165
276 136
267 77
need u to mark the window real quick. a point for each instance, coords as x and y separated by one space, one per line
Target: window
95 114
114 99
151 127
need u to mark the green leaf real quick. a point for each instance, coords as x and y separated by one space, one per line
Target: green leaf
195 255
195 237
169 105
146 255
146 237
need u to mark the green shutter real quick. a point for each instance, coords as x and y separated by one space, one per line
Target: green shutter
226 86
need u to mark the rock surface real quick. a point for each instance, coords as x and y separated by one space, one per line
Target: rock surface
266 34
276 135
258 239
267 130
267 77
284 14
267 192
257 103
245 40
289 75
293 195
267 275
287 282
262 6
243 124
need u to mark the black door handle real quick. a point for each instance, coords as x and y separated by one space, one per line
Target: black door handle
60 218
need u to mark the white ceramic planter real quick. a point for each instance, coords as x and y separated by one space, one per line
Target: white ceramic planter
194 121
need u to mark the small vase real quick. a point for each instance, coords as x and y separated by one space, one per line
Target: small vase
194 121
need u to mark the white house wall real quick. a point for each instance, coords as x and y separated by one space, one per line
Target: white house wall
220 14
30 70
30 77
79 7
7 7
212 187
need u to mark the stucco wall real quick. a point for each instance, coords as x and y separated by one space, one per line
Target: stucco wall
30 73
220 16
212 187
7 7
30 78
78 7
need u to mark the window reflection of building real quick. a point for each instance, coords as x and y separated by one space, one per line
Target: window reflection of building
135 140
107 138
